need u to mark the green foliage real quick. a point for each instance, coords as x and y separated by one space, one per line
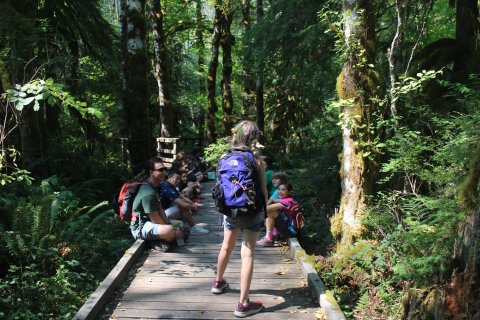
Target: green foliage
49 91
55 247
214 151
421 230
361 276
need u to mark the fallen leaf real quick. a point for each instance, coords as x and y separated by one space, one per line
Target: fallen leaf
320 315
280 273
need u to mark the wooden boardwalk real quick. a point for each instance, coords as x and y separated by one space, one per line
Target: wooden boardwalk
176 285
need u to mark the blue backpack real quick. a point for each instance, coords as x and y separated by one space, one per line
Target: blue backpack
237 191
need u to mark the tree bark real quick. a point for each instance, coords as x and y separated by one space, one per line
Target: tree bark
395 57
466 42
212 77
357 83
227 41
201 68
248 97
23 70
135 93
160 68
259 102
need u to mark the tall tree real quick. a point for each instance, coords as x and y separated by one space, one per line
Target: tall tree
259 101
212 75
23 70
160 68
466 39
201 66
248 76
135 91
356 84
227 41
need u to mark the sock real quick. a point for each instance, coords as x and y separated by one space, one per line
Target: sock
269 235
275 232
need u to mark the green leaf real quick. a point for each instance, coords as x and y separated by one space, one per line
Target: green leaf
51 100
19 106
28 100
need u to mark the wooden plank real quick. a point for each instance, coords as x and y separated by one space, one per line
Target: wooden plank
166 151
177 284
164 139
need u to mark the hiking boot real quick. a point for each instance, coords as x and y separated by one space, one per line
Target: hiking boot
197 229
219 286
160 245
264 242
244 310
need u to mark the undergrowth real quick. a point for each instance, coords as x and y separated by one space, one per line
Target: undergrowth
55 246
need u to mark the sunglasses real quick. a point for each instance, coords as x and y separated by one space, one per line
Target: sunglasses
164 169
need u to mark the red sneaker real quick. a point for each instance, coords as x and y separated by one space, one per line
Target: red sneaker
247 309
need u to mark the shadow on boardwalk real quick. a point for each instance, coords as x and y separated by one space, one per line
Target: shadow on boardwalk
176 285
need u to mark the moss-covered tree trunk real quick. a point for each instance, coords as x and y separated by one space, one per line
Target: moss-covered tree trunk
212 76
200 119
259 102
356 84
135 91
227 41
248 96
160 68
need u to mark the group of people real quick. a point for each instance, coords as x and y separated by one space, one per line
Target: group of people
156 211
165 205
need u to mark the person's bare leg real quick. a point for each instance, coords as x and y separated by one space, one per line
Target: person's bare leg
248 254
229 239
166 232
187 216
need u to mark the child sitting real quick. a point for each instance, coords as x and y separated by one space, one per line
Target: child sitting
278 208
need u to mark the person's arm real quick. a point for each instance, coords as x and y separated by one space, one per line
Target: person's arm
193 205
261 173
155 217
185 205
274 200
274 207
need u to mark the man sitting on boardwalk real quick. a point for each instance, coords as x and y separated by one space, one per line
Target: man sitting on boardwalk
150 221
176 205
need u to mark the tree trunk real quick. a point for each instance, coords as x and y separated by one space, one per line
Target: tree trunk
466 40
135 93
160 68
201 69
463 291
248 101
227 41
259 103
212 77
23 70
357 83
395 57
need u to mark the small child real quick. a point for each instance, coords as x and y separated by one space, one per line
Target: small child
274 208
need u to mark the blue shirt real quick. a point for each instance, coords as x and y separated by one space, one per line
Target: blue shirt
275 195
169 194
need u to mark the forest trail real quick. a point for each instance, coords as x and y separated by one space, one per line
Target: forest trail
176 285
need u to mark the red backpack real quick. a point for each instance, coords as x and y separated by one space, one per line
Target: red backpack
296 213
123 201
